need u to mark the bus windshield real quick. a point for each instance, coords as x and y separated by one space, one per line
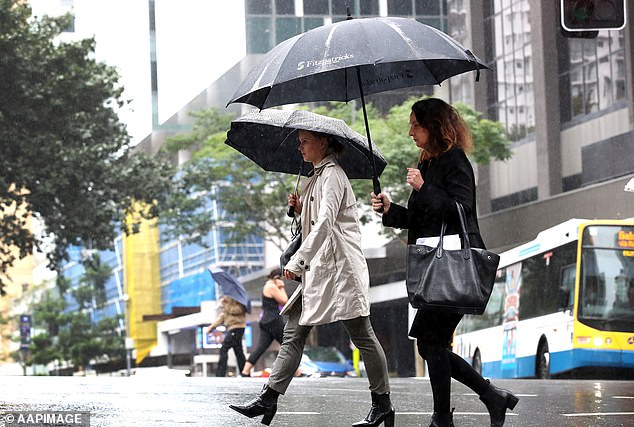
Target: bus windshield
606 293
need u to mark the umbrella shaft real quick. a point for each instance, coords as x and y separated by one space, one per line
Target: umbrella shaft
375 179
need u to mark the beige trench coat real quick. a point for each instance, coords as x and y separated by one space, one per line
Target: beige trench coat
335 279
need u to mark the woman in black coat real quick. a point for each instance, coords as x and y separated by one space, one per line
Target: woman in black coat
443 176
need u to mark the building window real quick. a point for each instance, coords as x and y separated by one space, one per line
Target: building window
316 7
428 7
514 102
285 28
259 7
399 7
285 7
369 8
591 74
432 13
310 23
340 7
259 34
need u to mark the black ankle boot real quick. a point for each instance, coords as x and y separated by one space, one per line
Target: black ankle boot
497 400
380 411
265 404
442 419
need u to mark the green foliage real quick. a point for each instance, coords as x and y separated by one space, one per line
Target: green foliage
64 155
208 123
489 138
96 275
254 201
71 335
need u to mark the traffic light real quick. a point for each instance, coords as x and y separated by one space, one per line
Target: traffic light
592 15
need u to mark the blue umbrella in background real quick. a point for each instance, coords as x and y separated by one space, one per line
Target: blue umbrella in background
231 286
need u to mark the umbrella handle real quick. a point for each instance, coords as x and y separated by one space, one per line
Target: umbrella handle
291 209
377 190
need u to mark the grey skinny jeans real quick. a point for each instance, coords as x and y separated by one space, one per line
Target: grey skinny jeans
362 336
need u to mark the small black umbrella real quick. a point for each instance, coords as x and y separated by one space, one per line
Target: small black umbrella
231 287
270 139
349 59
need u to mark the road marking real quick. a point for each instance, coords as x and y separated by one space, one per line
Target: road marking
622 397
455 413
516 394
399 413
598 414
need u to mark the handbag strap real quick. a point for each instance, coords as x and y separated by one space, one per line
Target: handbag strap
466 245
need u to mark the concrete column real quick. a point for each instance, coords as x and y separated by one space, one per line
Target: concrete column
480 96
544 29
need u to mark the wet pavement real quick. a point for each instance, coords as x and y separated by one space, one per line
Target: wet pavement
158 400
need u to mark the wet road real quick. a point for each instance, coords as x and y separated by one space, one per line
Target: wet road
153 400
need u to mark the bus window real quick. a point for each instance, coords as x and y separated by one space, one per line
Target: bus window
567 287
607 279
541 281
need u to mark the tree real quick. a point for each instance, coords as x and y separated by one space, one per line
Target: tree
219 174
96 275
65 157
254 201
72 336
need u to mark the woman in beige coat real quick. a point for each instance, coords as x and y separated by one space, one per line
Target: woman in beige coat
335 282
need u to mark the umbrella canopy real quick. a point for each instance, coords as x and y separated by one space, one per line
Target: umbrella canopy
231 287
347 59
270 139
328 63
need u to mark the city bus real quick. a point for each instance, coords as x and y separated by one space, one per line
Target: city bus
562 306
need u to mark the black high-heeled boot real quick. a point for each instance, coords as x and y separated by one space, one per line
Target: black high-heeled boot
497 400
442 419
265 404
380 411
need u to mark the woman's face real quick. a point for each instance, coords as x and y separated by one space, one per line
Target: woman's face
312 147
419 134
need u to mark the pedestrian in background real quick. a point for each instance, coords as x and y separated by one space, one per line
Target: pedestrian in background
442 177
271 323
233 316
335 282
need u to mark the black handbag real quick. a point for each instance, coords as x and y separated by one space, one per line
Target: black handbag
458 281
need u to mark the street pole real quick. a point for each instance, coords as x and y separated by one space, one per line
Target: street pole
129 346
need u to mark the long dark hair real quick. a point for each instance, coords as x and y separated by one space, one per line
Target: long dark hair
446 127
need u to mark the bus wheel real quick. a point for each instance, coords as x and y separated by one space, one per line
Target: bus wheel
477 362
542 366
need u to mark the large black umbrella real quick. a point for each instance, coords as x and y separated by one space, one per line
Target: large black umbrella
231 287
349 59
270 139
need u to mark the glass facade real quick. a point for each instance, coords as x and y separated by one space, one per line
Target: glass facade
185 280
513 101
591 74
74 271
269 22
180 261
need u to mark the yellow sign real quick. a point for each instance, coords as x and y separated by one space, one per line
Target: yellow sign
626 239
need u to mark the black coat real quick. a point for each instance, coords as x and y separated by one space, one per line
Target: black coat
448 178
